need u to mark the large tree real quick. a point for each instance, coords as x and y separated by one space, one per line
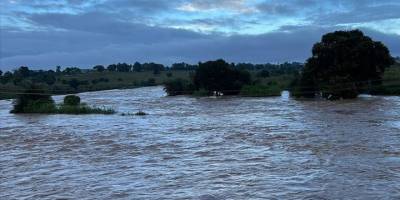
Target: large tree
220 76
342 64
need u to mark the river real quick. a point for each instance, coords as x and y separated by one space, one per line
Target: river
204 148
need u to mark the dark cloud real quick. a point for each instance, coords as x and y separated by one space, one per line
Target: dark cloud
84 48
45 33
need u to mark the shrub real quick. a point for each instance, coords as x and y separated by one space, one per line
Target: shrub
34 100
72 100
178 87
83 109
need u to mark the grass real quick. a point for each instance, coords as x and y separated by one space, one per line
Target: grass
97 81
261 91
390 84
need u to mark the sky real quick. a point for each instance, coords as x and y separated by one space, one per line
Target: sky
43 34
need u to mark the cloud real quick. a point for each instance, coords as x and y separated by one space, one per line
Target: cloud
238 6
85 47
46 33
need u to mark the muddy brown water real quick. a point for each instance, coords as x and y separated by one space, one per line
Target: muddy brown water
204 148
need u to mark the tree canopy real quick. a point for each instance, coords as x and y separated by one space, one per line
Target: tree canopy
220 76
342 64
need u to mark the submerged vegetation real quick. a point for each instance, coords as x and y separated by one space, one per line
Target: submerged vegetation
36 100
344 64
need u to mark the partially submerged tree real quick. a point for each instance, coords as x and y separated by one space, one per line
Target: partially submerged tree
220 77
34 100
342 64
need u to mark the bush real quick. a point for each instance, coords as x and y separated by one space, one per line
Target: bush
83 109
178 87
34 100
72 100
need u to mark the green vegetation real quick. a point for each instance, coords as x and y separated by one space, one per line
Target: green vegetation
219 77
260 91
72 100
343 64
83 109
36 100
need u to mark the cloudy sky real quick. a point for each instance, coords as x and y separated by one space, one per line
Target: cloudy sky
47 33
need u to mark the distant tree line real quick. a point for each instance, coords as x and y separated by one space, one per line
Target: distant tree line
50 76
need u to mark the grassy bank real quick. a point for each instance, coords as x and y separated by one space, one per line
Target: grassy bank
95 81
269 85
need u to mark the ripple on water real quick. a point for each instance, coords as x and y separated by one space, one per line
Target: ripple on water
204 148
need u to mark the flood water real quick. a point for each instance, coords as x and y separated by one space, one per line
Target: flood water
204 148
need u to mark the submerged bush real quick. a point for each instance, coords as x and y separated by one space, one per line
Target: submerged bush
72 100
178 87
34 100
83 109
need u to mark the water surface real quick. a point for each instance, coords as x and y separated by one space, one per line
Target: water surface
204 148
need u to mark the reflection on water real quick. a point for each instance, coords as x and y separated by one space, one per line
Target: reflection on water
204 148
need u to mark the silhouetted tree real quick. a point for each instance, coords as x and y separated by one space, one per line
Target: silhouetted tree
33 100
74 83
72 70
137 67
99 68
112 68
7 77
342 63
219 76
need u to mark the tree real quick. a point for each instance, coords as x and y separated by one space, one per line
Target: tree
7 77
99 68
219 76
1 73
58 69
112 68
33 100
72 70
343 63
74 83
137 67
263 74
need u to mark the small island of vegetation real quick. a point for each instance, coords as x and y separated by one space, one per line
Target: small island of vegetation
37 100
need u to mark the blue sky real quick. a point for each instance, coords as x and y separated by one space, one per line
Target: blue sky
47 33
